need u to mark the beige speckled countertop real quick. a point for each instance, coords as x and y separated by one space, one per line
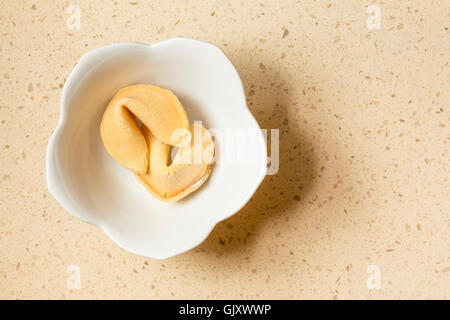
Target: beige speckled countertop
363 185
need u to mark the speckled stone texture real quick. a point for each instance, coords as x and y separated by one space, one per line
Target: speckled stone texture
364 151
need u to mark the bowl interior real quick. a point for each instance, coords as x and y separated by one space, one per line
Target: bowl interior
210 91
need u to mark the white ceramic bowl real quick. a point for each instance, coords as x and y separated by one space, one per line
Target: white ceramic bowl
92 187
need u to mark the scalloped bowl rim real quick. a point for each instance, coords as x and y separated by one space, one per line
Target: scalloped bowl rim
54 183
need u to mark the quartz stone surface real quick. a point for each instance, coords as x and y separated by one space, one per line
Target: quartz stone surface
360 93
